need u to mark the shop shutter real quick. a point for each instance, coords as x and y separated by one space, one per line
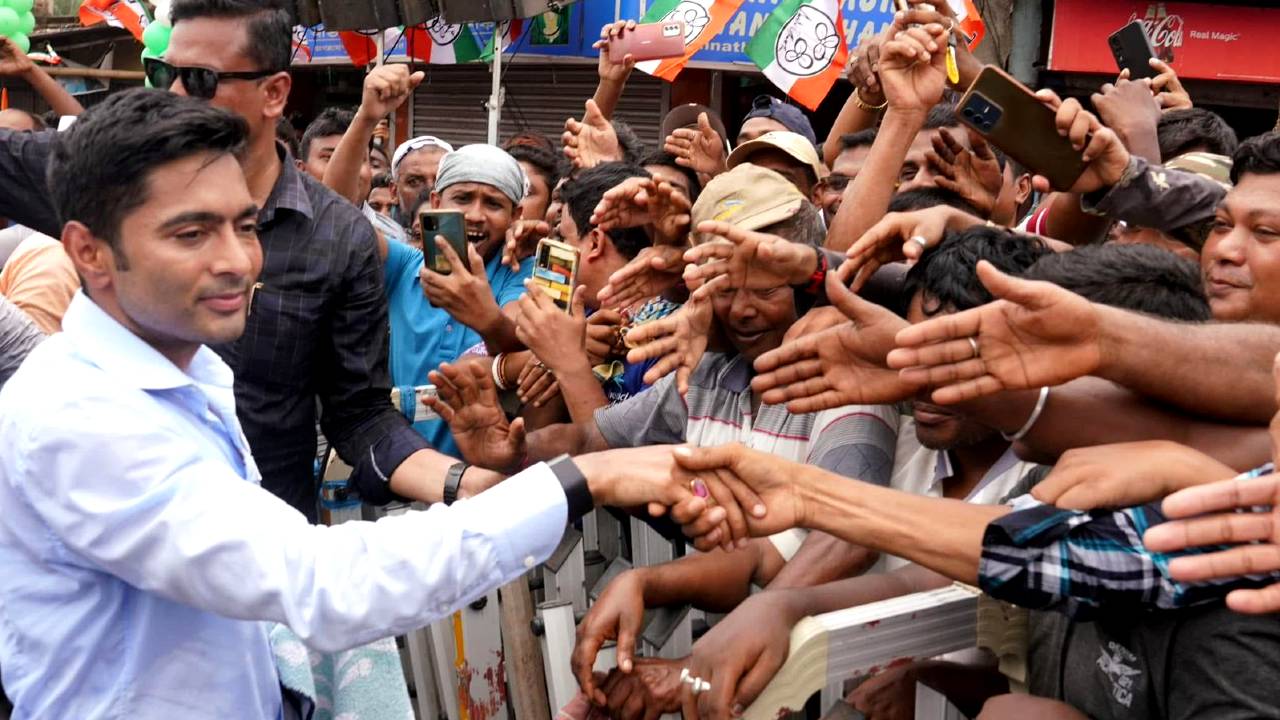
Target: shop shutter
450 103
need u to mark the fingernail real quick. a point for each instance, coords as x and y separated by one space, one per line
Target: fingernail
759 510
700 489
625 665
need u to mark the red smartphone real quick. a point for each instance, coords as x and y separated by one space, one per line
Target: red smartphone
650 41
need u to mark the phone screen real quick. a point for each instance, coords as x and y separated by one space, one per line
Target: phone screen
555 269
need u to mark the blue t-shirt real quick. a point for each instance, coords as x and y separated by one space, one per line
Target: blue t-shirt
424 336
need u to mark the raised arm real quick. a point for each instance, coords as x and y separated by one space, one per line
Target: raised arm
386 87
14 63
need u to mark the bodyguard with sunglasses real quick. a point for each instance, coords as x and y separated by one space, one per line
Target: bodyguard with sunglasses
317 326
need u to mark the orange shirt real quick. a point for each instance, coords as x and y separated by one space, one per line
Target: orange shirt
40 279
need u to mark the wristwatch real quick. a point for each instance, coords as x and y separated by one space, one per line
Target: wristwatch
453 481
576 492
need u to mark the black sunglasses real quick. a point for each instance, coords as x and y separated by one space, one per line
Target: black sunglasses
199 82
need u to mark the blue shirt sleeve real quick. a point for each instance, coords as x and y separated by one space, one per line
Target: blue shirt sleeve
402 261
507 285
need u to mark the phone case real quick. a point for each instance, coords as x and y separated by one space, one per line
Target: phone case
1132 49
448 224
1008 114
650 41
555 270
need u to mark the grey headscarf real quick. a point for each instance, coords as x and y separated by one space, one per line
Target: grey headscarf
484 164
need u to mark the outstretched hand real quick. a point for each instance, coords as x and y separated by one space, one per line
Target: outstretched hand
467 400
701 150
750 260
676 341
659 207
1034 334
843 365
652 272
903 236
1105 155
591 141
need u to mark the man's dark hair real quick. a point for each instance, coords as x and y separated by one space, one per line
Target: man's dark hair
288 134
381 180
1259 155
666 159
269 29
948 274
331 121
1141 278
862 138
582 193
98 170
549 165
1183 130
633 148
942 115
927 197
530 138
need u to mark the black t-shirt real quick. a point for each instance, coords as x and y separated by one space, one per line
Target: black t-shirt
1200 662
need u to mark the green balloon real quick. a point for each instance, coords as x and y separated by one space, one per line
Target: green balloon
20 6
9 22
22 41
156 37
26 22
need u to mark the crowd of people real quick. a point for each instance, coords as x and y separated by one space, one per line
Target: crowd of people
843 370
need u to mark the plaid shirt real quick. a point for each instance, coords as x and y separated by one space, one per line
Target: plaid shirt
1078 563
317 328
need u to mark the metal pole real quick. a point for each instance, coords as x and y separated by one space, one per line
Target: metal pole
495 98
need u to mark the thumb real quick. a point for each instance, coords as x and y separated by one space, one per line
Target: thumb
704 459
593 115
845 300
628 629
704 124
517 433
1007 287
416 79
577 305
474 260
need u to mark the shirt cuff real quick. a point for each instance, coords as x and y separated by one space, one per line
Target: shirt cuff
1100 202
371 477
527 514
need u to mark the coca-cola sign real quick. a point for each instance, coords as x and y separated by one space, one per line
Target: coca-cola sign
1198 40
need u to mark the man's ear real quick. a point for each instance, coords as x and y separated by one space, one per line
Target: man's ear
1022 189
597 247
276 89
435 200
92 256
516 213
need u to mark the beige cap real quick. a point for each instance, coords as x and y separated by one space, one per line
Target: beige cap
748 196
790 143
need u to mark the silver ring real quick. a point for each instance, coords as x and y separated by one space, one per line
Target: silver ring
685 677
919 240
700 686
973 343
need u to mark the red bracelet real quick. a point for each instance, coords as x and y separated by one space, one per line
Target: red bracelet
819 276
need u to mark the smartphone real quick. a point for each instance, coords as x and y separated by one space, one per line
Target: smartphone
650 41
449 225
1007 113
555 270
1133 51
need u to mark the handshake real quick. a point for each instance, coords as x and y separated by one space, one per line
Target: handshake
720 496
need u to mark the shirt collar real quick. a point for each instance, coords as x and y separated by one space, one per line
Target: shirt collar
289 192
104 342
943 469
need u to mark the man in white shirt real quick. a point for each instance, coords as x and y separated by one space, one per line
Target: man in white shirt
140 554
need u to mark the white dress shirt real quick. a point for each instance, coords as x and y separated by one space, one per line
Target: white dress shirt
141 558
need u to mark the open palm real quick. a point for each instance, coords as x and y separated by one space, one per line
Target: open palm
468 402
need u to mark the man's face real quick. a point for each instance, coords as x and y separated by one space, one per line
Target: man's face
668 174
188 256
788 167
831 190
1241 258
381 200
486 210
942 428
320 152
378 161
539 197
757 126
755 320
221 44
416 173
916 172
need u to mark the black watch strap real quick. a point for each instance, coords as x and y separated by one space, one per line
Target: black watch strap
576 492
453 481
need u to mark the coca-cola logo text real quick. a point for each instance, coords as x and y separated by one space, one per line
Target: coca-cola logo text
1164 30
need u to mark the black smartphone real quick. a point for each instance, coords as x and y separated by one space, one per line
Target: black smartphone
1132 50
448 224
1011 117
